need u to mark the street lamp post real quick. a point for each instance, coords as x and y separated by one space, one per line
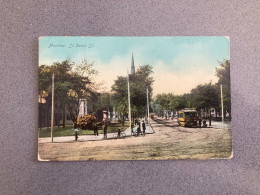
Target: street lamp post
148 112
52 106
222 109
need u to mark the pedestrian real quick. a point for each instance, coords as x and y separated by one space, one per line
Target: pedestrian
119 132
105 130
96 129
139 128
76 135
200 122
132 127
204 123
144 128
138 131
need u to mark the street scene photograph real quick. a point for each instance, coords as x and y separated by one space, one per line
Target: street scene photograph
134 98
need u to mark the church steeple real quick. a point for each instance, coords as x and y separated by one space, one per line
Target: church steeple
133 65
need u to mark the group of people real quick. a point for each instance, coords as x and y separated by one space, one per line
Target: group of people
140 128
104 127
139 124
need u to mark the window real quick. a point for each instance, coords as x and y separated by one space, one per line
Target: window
180 115
190 114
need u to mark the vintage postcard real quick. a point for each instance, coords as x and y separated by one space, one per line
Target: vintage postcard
134 98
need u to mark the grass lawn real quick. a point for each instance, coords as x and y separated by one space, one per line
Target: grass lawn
67 131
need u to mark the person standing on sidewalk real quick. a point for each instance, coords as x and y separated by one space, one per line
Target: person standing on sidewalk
105 130
118 133
136 121
139 128
95 130
132 128
143 125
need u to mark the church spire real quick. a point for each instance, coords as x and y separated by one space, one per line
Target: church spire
133 65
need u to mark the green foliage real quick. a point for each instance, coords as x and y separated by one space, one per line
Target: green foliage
120 94
138 87
72 82
179 102
223 73
204 96
99 103
170 102
201 97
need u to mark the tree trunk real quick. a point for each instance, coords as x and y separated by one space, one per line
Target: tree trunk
40 114
47 117
63 115
209 117
123 120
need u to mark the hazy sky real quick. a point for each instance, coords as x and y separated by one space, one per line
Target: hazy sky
179 63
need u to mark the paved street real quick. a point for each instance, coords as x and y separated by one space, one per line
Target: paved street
168 142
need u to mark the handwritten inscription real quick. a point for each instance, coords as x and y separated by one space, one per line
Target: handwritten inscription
56 45
71 45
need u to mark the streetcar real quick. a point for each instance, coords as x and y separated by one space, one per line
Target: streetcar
187 118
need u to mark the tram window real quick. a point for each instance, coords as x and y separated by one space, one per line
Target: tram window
187 115
192 114
180 115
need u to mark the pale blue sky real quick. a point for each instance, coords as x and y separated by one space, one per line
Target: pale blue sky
176 56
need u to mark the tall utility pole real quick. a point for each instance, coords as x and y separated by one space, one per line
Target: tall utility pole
222 108
52 106
148 113
129 103
40 112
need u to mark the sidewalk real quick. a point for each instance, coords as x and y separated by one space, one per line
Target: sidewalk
148 129
82 138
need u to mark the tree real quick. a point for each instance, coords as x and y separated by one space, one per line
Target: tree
178 102
62 84
82 85
206 96
138 87
72 83
120 96
223 74
202 97
139 84
96 106
170 101
163 101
